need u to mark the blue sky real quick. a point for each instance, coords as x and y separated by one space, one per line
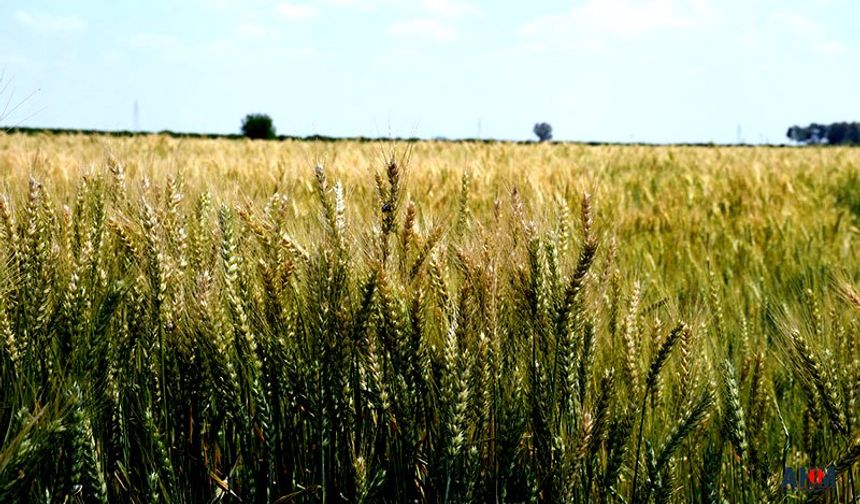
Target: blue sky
606 70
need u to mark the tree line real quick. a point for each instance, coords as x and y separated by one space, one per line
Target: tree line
840 133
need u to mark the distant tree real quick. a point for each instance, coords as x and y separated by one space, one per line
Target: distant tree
258 126
543 131
853 134
818 132
841 133
836 133
798 134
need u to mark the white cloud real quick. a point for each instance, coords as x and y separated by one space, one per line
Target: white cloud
810 32
423 29
831 47
617 18
157 41
50 23
11 59
113 57
250 29
451 9
300 52
297 12
798 23
436 21
366 5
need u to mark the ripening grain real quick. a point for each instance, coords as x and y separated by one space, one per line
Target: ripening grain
189 320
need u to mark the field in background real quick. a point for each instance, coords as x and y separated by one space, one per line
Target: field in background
186 319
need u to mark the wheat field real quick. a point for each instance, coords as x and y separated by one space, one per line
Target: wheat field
238 321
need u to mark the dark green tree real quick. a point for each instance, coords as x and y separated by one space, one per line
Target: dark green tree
836 133
258 126
543 131
840 133
852 136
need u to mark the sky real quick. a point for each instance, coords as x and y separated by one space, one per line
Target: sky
596 70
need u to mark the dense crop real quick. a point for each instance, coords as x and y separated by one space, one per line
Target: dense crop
189 321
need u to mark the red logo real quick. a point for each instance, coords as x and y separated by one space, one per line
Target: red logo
809 479
815 476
